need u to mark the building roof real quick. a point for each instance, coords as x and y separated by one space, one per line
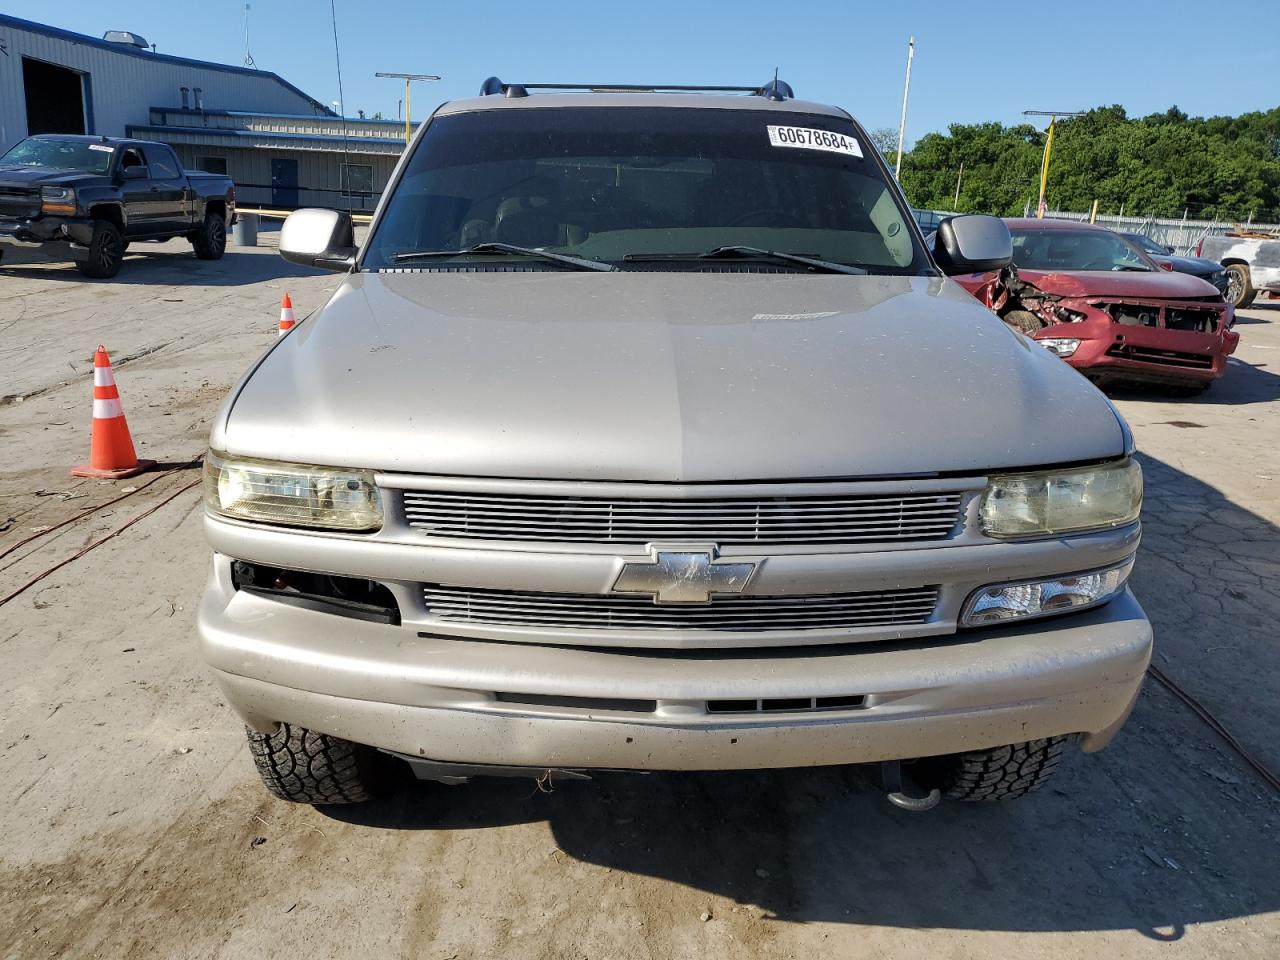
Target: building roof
127 51
222 137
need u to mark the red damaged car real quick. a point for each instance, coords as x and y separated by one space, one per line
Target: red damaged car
1107 309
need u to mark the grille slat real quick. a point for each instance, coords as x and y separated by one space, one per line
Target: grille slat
768 520
556 611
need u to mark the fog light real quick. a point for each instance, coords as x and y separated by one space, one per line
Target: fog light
1042 598
1062 346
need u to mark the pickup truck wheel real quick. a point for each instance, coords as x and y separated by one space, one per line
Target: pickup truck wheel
305 767
106 251
210 238
1001 773
1024 321
1240 292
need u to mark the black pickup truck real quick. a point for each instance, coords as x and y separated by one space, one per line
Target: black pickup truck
96 194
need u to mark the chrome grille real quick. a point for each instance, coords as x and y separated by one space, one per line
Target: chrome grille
572 611
837 518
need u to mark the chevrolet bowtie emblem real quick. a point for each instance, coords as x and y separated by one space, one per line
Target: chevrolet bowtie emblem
677 576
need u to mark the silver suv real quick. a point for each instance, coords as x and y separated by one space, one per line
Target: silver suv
644 433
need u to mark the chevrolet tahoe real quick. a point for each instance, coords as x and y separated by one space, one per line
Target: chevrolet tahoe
644 433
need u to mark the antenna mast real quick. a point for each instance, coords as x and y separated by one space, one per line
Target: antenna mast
248 57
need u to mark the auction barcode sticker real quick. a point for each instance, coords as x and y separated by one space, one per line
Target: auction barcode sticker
99 147
807 138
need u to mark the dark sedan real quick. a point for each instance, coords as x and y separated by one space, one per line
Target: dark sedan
1164 256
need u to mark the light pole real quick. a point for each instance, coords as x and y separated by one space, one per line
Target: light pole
906 89
1053 116
408 78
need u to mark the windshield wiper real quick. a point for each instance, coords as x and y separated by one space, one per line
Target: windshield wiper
579 263
1133 267
749 253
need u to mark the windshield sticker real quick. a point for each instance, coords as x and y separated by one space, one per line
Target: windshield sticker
807 138
98 146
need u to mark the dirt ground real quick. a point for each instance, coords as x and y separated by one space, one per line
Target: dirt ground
134 825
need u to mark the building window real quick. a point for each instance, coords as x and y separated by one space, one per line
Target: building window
357 181
212 165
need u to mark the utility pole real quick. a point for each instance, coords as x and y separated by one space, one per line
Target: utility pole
1053 116
906 90
408 78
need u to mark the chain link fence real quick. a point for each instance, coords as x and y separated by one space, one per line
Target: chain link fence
1179 233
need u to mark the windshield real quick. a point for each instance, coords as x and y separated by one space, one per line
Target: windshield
1146 243
60 155
1058 248
607 183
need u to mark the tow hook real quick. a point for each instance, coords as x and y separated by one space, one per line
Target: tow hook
891 775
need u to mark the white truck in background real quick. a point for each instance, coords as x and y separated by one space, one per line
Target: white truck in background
1252 262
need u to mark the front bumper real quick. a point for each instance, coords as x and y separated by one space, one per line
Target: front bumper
42 230
1112 351
480 702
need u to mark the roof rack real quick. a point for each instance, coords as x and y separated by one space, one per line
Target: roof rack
773 90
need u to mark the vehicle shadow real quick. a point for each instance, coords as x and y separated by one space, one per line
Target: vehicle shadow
1243 383
1163 830
1264 306
167 267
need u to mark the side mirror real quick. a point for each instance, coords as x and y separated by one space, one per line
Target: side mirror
972 244
319 238
135 172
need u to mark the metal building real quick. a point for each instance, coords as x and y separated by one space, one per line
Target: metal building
282 147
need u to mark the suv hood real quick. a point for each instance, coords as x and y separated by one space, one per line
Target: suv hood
1156 285
658 376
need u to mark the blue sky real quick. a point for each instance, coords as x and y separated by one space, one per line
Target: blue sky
973 62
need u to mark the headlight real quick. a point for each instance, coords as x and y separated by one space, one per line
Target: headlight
291 494
58 200
1042 598
1062 346
1062 501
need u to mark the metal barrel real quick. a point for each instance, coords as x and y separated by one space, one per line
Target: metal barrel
245 231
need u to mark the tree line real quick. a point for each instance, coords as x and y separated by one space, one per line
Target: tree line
1224 168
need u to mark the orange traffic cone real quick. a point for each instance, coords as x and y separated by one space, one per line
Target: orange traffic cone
286 315
111 455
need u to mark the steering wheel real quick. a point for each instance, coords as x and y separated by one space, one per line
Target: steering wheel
774 218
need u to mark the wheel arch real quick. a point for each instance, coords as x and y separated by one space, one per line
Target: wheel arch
111 212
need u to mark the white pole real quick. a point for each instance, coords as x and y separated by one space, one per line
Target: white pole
955 204
906 90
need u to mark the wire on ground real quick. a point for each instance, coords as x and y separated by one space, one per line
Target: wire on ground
99 542
90 511
1212 722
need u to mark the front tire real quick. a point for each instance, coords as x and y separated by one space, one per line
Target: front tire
210 239
1001 773
301 766
1240 292
1024 321
106 252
